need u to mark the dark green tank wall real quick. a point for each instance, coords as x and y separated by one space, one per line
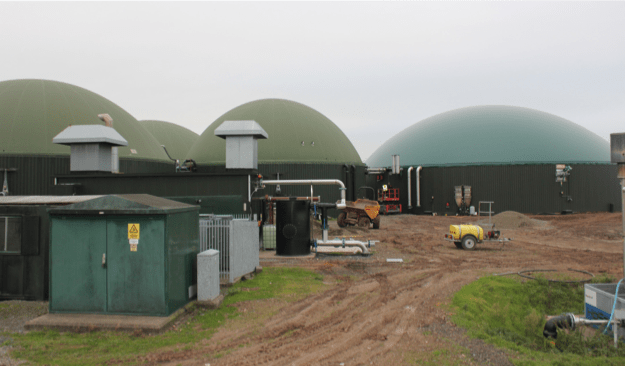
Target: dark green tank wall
523 188
35 174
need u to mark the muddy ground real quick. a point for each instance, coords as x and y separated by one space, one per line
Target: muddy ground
373 312
380 313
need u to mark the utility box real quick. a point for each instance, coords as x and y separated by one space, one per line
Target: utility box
123 254
208 275
599 302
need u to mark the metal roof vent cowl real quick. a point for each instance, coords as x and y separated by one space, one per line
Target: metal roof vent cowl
91 147
241 143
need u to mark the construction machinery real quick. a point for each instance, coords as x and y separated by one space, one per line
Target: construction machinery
389 200
361 212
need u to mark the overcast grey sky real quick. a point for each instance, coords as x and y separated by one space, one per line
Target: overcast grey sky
372 68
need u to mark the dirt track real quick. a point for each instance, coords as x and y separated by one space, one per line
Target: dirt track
382 313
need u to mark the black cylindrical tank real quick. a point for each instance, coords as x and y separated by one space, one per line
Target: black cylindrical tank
292 227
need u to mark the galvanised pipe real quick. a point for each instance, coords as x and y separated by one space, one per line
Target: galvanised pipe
345 243
319 182
410 188
419 185
375 170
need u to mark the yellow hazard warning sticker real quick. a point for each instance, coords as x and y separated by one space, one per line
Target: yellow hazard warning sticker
133 231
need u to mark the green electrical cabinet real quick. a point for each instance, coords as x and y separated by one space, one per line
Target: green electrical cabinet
123 254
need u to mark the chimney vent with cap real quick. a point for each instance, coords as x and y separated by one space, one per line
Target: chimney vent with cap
91 146
241 143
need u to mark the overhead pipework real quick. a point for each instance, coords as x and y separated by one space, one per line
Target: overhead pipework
375 170
312 182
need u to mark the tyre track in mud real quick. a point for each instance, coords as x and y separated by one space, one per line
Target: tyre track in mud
385 311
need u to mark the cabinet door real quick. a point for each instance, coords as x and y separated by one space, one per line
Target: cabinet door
77 274
136 279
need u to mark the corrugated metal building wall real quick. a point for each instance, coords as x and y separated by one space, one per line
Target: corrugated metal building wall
35 174
530 188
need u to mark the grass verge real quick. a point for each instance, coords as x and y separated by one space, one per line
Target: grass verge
104 347
510 313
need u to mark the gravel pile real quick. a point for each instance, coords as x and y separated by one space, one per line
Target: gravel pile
513 220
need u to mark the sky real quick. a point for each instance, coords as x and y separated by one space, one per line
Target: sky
373 68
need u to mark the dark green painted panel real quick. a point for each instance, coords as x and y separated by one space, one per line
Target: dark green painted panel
218 205
30 235
12 275
77 277
25 276
182 245
136 280
35 174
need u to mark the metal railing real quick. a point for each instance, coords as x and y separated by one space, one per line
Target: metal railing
215 234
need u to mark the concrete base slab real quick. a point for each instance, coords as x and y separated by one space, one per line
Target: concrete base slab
92 322
211 304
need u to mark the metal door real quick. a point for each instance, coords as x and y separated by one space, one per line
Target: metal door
77 272
136 279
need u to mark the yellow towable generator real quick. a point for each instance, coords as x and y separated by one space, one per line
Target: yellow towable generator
467 236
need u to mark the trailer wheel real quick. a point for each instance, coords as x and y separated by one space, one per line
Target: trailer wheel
341 219
458 244
364 222
376 222
468 242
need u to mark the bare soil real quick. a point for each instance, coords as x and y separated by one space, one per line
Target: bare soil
379 313
374 312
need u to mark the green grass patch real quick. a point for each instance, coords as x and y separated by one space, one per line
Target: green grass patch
449 355
510 313
101 347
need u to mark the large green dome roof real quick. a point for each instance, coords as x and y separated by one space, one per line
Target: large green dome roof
492 135
32 112
297 134
177 139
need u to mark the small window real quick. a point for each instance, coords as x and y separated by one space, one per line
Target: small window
10 234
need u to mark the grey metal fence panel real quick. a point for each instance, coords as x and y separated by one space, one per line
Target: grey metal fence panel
244 256
236 240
